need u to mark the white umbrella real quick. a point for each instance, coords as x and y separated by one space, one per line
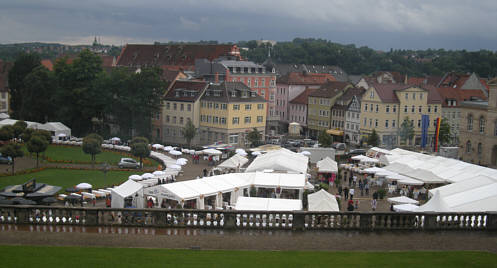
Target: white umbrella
199 152
115 139
256 153
135 177
212 151
181 162
158 146
148 176
306 153
62 135
174 152
174 167
168 148
83 186
242 153
159 173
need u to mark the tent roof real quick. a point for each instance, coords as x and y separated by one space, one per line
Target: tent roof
424 176
402 200
280 160
267 204
435 204
283 180
405 208
327 165
398 168
322 201
234 162
466 185
54 126
469 199
127 188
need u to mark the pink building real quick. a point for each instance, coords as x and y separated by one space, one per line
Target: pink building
297 109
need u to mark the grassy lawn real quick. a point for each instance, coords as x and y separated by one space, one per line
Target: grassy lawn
75 153
32 256
68 178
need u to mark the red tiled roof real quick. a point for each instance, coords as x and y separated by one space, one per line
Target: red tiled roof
330 89
450 93
48 64
107 61
196 87
484 83
178 55
351 92
386 92
416 81
302 97
169 74
295 78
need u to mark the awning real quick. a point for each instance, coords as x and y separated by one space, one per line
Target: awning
334 132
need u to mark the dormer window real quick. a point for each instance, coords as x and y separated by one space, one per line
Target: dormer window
245 69
207 93
244 94
177 93
233 94
252 94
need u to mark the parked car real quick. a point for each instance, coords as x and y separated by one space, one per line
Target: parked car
128 163
357 152
339 146
5 160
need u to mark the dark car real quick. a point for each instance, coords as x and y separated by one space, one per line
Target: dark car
5 160
357 152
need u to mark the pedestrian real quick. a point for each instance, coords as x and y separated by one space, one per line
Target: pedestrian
354 179
366 187
361 187
350 206
94 201
350 180
107 202
205 172
351 192
356 205
346 193
340 190
373 204
375 195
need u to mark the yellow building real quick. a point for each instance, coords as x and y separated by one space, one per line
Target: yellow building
386 106
228 112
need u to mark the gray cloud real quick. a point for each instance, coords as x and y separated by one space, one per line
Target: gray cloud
381 24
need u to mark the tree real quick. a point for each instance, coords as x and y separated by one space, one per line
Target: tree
38 96
23 65
26 134
45 134
406 130
92 145
139 148
325 139
444 134
189 131
37 144
13 150
6 133
19 128
373 138
254 137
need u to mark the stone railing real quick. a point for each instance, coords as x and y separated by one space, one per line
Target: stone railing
298 220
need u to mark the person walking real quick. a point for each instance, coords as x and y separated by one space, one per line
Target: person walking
340 190
351 192
350 180
373 204
361 187
346 193
366 187
354 180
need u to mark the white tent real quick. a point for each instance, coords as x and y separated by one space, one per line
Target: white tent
327 165
267 204
56 128
401 179
402 200
236 161
424 176
280 160
435 204
322 201
212 152
131 189
405 208
482 198
399 168
463 186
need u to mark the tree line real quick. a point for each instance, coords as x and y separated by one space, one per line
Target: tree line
84 96
364 60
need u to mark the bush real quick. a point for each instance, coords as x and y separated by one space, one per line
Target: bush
382 193
324 186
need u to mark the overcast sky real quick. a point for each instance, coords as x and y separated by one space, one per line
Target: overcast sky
380 24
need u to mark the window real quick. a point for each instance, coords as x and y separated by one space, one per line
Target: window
174 119
419 123
182 107
248 82
407 96
236 106
387 109
209 105
209 119
175 106
248 107
479 150
436 109
386 123
376 123
482 125
370 122
495 128
256 82
395 108
189 107
413 109
376 107
223 120
420 109
248 119
167 118
236 120
393 123
470 122
181 120
366 107
263 93
421 95
371 107
224 106
259 119
263 82
414 95
429 108
371 95
216 106
468 147
260 106
365 120
215 120
233 139
405 109
233 93
168 105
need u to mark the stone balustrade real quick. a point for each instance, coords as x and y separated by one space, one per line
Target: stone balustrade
298 220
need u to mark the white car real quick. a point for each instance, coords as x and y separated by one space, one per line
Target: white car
128 163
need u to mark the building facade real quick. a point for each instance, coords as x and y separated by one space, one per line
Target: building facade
180 104
298 110
228 112
320 103
478 132
386 106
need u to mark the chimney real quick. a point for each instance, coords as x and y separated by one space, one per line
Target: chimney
216 78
